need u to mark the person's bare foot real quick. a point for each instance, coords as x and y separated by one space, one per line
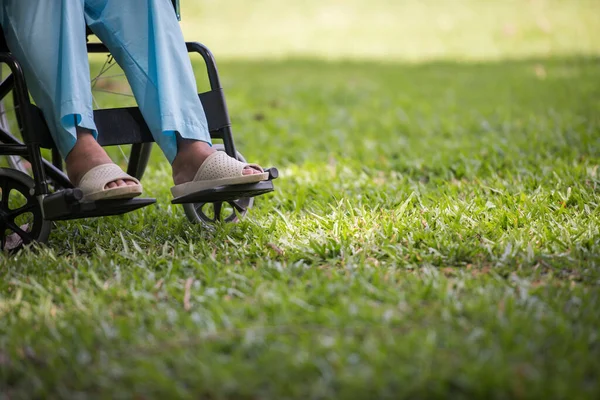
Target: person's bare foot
190 156
86 155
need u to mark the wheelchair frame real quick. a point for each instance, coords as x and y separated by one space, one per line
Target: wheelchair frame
116 126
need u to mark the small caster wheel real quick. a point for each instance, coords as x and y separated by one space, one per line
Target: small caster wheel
227 211
21 220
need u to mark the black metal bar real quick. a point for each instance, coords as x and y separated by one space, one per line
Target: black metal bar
24 111
57 175
7 138
138 160
57 160
7 85
20 92
228 142
209 60
215 84
97 48
13 150
213 103
177 9
54 173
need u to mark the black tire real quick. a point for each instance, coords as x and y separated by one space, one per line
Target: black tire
21 219
210 213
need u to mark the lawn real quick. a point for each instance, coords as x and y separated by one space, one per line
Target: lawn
435 233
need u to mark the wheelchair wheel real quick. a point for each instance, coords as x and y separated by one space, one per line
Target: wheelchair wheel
21 220
229 211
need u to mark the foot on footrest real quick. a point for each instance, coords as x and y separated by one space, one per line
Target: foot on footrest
66 204
226 193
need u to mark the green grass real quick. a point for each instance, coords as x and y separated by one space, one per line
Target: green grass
434 234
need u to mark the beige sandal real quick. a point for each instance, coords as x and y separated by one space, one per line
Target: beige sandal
219 170
93 184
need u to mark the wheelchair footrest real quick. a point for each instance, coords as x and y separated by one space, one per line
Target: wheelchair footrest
226 193
66 204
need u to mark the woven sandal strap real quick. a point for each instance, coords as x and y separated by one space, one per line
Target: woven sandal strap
98 177
220 165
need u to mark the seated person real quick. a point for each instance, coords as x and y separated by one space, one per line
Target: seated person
48 39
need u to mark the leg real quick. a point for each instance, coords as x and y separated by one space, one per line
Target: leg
48 39
145 38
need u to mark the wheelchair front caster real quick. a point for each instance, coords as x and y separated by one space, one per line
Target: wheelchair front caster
21 219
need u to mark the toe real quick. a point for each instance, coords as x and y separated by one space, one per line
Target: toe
120 183
115 184
250 171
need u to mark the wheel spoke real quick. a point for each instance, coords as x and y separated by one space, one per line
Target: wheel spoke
24 235
111 92
104 75
6 188
104 68
99 76
237 207
123 154
199 208
21 210
218 206
95 101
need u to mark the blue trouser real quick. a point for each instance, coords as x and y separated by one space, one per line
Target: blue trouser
144 37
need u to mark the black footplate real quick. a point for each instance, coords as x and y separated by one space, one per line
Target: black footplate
66 204
226 193
232 192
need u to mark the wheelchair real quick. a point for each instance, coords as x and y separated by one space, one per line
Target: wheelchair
35 190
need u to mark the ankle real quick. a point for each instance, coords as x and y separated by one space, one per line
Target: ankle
86 154
192 146
191 152
84 134
189 158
